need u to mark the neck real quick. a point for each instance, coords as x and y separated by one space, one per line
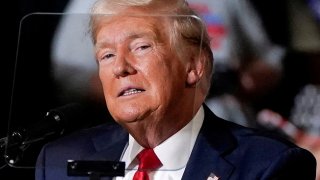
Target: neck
150 135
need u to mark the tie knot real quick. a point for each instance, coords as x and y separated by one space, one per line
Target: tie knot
148 160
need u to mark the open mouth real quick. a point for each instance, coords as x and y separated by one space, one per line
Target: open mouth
130 91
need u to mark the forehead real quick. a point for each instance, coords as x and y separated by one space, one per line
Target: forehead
121 27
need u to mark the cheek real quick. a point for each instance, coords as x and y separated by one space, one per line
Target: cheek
167 83
105 79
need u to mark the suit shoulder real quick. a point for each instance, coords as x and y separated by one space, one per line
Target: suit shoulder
259 138
263 144
83 137
272 155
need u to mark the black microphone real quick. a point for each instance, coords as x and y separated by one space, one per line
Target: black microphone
59 121
56 122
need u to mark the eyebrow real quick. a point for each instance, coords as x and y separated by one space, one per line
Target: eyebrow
105 43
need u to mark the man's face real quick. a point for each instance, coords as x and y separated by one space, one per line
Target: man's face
141 74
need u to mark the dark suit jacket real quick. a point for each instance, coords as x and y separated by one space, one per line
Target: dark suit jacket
222 148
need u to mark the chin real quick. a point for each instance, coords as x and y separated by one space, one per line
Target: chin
127 115
130 111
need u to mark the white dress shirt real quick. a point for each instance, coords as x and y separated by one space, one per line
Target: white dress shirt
173 153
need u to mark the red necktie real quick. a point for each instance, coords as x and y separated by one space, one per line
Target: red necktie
148 161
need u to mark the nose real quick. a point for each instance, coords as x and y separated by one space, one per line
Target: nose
122 66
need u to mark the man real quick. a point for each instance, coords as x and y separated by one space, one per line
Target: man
240 46
155 66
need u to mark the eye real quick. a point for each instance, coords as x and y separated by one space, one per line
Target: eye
107 56
143 47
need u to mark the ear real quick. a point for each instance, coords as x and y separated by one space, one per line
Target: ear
195 70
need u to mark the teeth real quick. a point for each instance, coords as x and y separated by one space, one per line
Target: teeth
131 91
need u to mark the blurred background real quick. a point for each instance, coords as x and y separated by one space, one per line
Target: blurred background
267 57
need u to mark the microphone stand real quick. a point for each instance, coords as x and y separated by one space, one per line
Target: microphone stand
14 145
3 143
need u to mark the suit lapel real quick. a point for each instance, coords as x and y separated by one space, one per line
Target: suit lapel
213 142
109 146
